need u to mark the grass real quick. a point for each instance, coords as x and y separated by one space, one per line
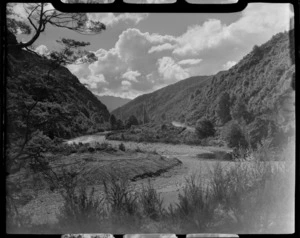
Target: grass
242 197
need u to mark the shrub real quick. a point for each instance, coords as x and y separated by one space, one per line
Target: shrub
122 146
205 128
163 127
91 149
253 196
119 196
81 211
138 149
195 208
151 202
259 129
132 121
234 136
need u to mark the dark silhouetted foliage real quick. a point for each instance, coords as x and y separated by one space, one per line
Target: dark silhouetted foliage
234 137
132 121
205 128
223 108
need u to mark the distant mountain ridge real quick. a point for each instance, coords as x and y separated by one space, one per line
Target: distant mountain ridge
260 79
113 102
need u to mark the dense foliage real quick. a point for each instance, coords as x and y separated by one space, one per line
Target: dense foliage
205 128
234 136
57 104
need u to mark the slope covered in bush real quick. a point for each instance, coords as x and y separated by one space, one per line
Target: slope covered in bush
165 103
260 80
52 101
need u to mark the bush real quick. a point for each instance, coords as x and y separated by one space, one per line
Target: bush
122 146
259 129
234 136
138 149
151 202
119 196
132 121
195 209
81 211
253 197
205 128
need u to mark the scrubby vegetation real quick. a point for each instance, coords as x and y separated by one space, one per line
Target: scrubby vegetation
205 128
244 197
152 132
56 104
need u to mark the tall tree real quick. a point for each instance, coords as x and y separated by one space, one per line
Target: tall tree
145 115
132 120
112 121
223 108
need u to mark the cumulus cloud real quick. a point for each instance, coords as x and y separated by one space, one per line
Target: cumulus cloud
131 75
229 64
42 50
259 21
110 19
189 61
170 70
159 48
200 37
141 62
93 81
126 83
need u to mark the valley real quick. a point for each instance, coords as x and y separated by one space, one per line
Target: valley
190 153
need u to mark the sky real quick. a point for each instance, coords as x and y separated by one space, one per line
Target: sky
141 52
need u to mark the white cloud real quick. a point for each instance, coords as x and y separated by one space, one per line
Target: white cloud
131 75
171 70
200 37
110 19
93 81
141 62
42 50
229 64
159 48
189 61
259 21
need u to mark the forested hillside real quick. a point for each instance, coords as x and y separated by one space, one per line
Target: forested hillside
163 104
258 81
51 100
255 87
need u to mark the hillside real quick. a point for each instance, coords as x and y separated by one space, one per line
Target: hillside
165 103
112 102
261 80
56 104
